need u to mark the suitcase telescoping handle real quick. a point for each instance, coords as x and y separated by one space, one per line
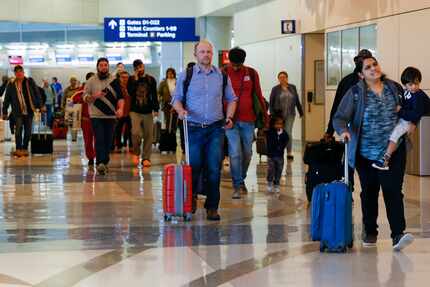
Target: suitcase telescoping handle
346 163
187 145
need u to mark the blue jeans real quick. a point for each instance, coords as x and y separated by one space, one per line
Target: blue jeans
240 139
206 152
49 112
289 123
103 132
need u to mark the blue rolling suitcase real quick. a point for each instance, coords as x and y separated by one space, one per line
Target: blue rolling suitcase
331 216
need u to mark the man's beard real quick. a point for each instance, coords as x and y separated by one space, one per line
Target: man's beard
141 73
102 75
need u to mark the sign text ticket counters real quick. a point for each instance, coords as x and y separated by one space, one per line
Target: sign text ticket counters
150 29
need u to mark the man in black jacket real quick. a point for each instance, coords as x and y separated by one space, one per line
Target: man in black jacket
22 94
344 85
144 107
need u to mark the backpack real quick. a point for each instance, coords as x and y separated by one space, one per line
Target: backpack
187 81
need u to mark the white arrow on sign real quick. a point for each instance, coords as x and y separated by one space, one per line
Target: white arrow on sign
112 24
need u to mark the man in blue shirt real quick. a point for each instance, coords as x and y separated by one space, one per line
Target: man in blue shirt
203 105
58 88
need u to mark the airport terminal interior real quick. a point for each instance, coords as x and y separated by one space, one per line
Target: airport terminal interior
65 222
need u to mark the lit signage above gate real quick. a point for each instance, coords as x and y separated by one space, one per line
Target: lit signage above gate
150 29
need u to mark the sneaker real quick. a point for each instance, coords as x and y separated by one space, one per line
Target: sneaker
401 241
269 187
236 194
212 215
277 189
25 153
381 165
243 188
369 240
17 153
101 169
146 163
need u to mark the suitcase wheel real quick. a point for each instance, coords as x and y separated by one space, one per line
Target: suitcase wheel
167 217
188 217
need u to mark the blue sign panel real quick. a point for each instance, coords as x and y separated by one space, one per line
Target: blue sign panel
64 59
114 58
86 58
36 59
150 29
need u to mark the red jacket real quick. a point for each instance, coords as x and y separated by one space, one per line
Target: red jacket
243 87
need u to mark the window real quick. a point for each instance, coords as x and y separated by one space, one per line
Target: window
343 46
368 38
333 58
349 50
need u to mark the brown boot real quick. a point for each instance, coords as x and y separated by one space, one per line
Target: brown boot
212 215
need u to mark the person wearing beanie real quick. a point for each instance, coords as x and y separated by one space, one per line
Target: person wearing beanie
344 85
144 107
250 113
105 105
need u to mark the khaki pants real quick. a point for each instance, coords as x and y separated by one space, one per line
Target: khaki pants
142 128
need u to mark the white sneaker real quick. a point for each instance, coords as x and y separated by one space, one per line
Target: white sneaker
269 187
401 241
277 189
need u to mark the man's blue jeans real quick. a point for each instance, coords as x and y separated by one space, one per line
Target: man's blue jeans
240 139
103 132
48 120
206 152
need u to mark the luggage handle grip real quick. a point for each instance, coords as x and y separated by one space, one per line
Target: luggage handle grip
187 145
185 191
346 163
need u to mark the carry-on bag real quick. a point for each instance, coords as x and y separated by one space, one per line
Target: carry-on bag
261 143
59 129
168 138
331 216
177 186
324 160
41 138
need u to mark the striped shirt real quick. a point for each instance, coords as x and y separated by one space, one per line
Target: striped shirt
379 119
204 101
104 107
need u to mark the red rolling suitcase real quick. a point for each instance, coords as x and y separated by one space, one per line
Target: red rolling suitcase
177 187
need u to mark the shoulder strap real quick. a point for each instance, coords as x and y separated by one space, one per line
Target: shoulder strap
186 84
224 83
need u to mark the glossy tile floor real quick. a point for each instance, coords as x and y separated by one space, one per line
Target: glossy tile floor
63 226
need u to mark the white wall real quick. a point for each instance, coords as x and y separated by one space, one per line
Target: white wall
271 57
147 8
50 11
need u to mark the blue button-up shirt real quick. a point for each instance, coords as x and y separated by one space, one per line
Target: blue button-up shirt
204 102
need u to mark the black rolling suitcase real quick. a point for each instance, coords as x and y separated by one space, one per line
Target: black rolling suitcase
324 159
168 138
41 139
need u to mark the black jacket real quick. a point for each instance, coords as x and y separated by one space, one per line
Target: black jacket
276 143
413 106
344 85
11 97
151 103
275 96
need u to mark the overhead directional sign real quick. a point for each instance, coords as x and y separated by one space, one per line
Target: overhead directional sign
150 29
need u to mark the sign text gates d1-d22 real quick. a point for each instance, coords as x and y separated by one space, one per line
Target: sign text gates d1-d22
150 29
